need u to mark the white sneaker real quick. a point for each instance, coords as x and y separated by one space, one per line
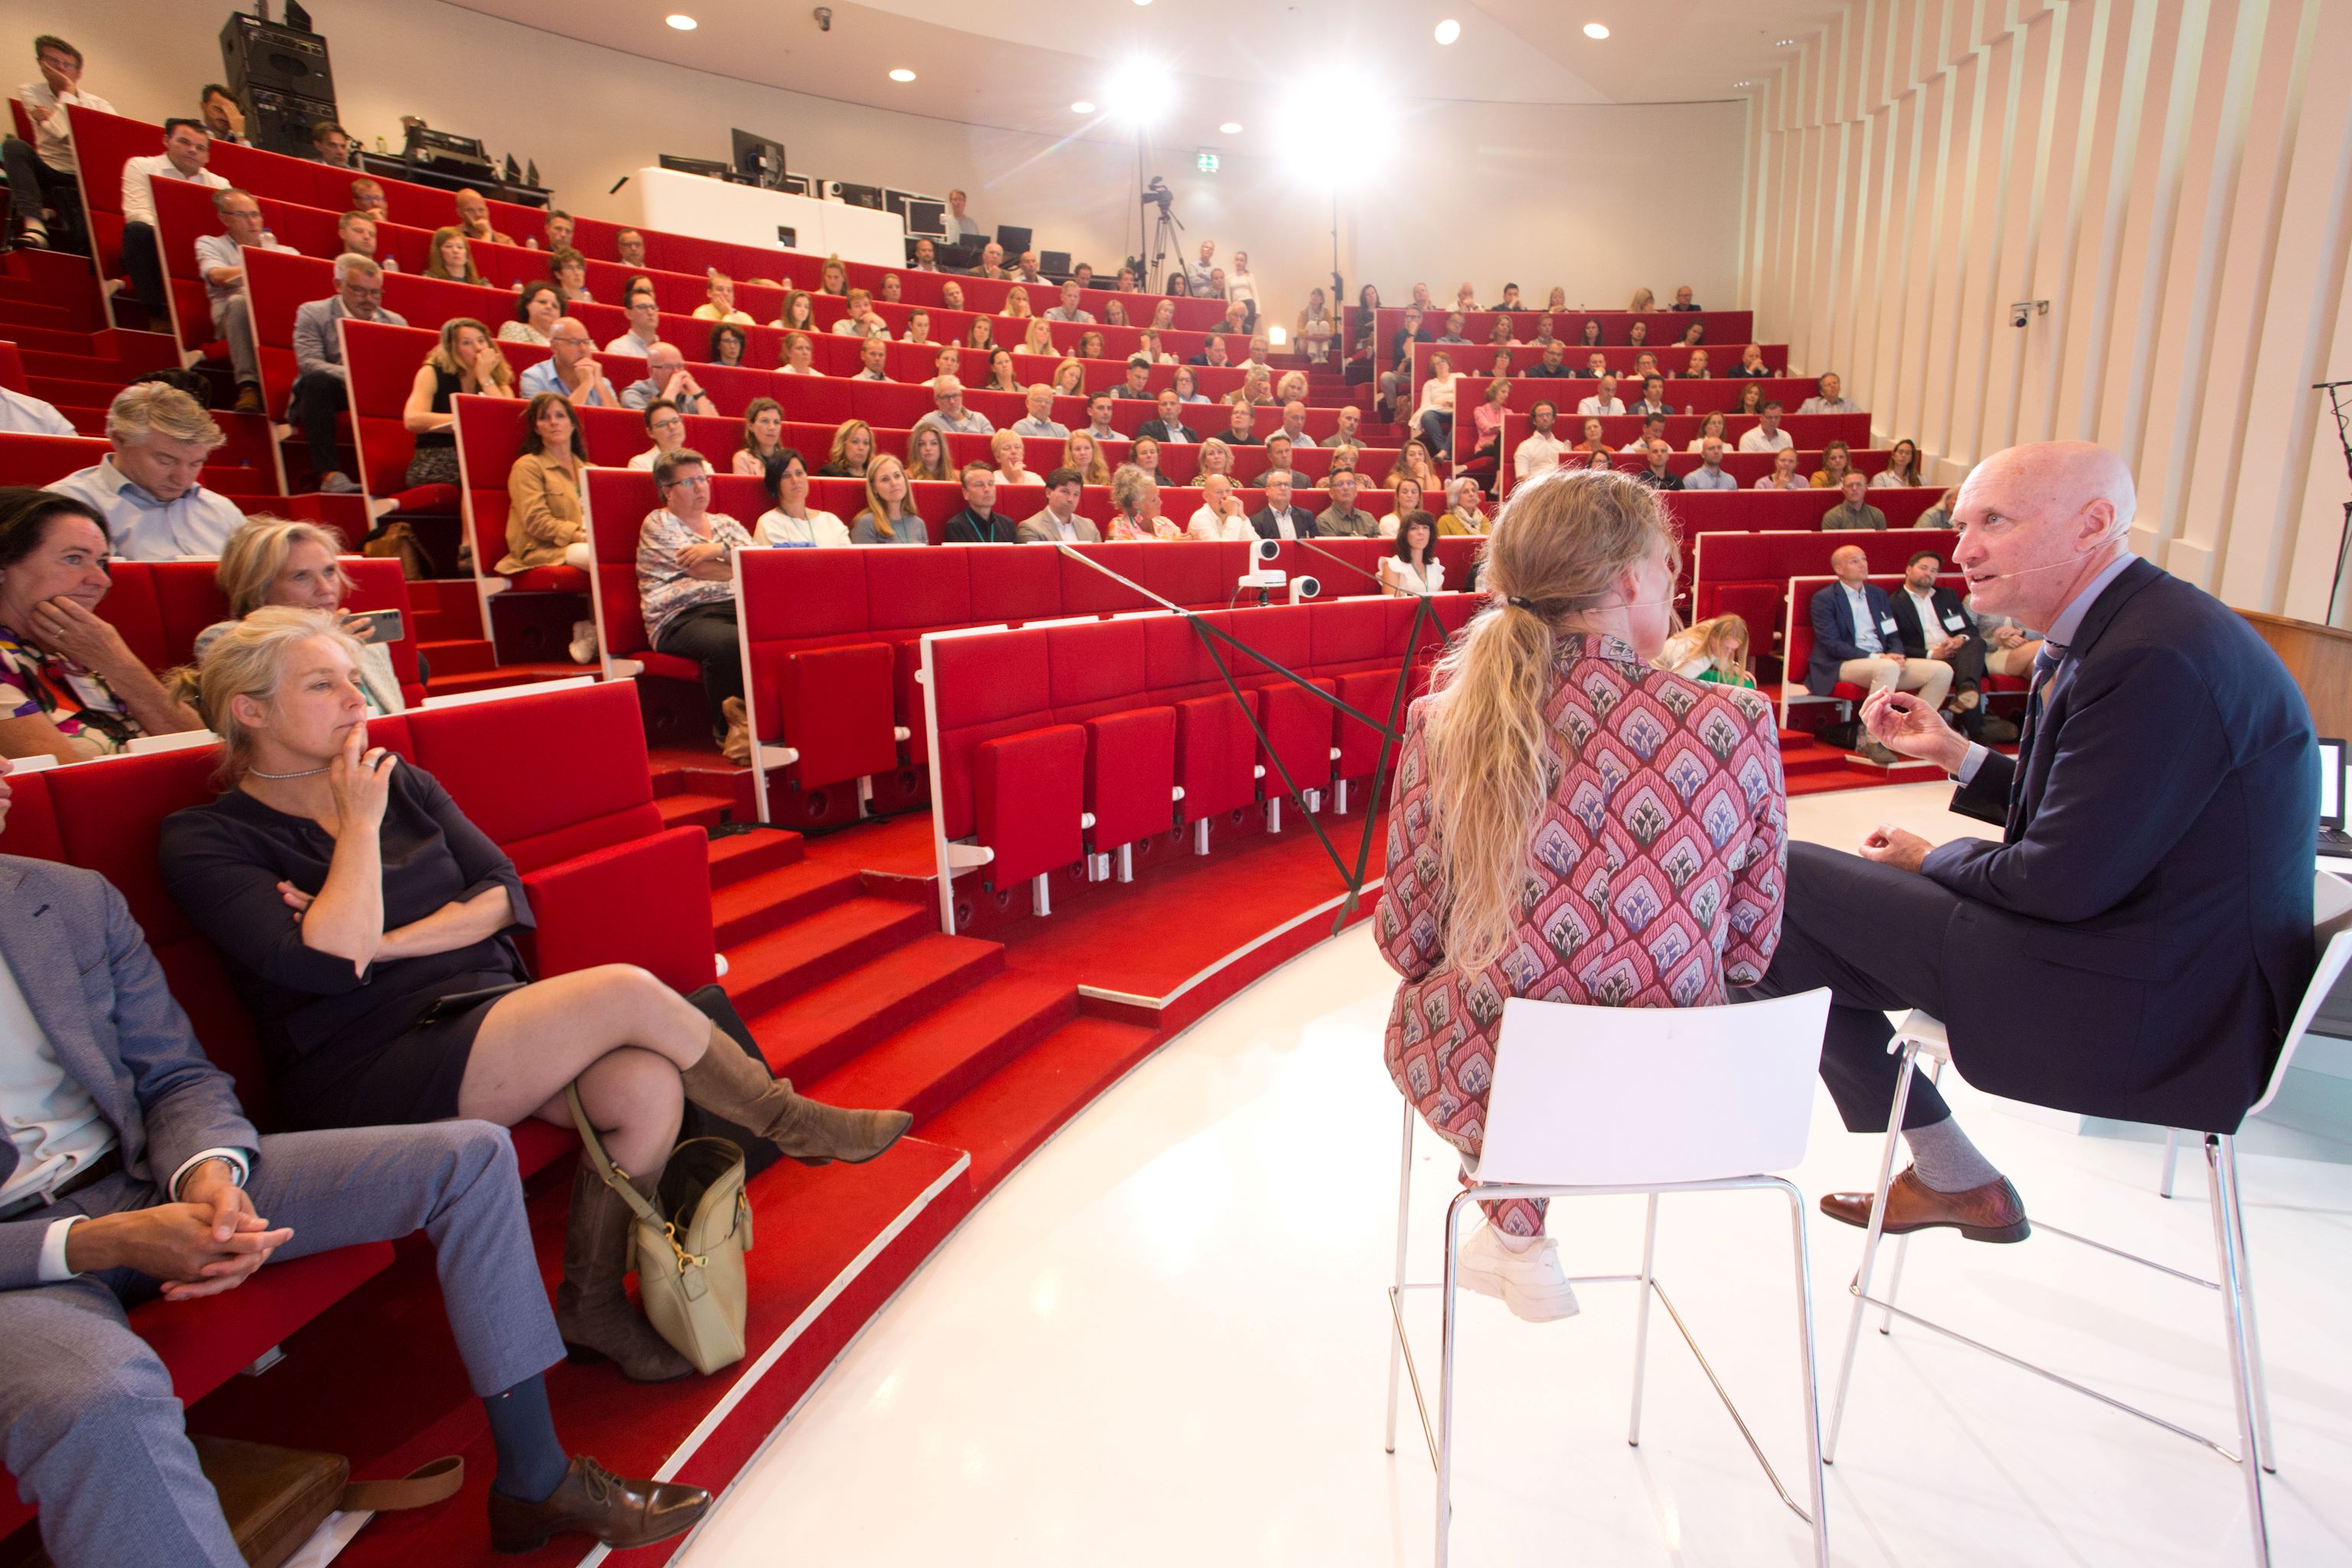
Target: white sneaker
584 642
1531 1283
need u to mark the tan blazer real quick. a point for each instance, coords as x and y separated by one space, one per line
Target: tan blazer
543 514
1041 530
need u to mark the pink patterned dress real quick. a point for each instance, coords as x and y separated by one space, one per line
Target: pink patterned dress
1653 880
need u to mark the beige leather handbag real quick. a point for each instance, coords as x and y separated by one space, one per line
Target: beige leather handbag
690 1264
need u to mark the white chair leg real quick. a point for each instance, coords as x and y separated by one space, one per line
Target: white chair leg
1404 1229
1893 1283
1445 1382
1641 1321
1815 1457
2227 1244
2171 1158
2267 1450
1870 1249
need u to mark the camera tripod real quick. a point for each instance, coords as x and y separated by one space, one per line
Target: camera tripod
1163 240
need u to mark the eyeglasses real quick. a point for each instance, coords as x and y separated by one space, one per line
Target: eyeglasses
691 480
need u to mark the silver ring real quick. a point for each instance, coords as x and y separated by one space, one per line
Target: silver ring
381 759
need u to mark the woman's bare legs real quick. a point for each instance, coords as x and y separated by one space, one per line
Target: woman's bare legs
622 1033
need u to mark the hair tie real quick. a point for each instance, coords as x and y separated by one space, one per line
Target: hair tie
1523 604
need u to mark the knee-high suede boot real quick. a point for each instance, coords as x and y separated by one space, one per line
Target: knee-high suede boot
741 1090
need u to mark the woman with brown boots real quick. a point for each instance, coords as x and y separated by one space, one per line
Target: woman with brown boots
367 925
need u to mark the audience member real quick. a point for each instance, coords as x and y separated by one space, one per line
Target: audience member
568 270
1540 452
23 414
1902 466
1694 335
572 369
1002 377
1940 514
718 302
1551 366
331 143
1241 427
800 355
919 328
1413 567
293 565
1827 398
1220 515
1713 651
1216 457
1293 419
1837 461
1198 270
1854 511
1277 518
70 688
1037 338
1487 427
1084 454
927 455
1008 460
1135 387
1070 308
1856 639
992 262
666 426
1768 435
1277 458
851 451
1170 425
629 249
1039 421
539 308
1600 460
951 295
367 196
187 148
474 218
790 523
356 235
1135 500
1090 346
644 329
982 336
1751 399
1315 328
685 584
927 257
1934 622
1590 336
1683 299
1712 426
546 525
762 441
1751 365
1462 512
1143 455
1655 474
950 415
1653 396
1414 458
42 173
1060 522
321 390
1604 402
873 358
1453 332
1343 517
1596 366
728 344
1697 370
890 517
1710 474
220 262
1434 417
1100 406
146 489
449 255
1638 333
1404 495
1187 385
1784 475
1592 441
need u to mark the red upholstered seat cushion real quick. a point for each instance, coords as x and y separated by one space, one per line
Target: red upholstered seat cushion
548 580
1027 798
1216 756
1297 725
837 709
1846 691
1130 774
1371 693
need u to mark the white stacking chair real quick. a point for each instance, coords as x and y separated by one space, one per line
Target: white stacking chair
1601 1101
1920 1037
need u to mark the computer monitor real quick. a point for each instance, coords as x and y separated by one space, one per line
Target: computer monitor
1054 263
759 160
2331 784
924 216
710 168
1015 239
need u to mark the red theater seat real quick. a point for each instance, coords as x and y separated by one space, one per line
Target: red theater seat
1027 797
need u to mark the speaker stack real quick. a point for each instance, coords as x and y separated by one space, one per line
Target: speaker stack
281 79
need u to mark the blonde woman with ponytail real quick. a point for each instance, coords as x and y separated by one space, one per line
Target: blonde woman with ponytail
1570 822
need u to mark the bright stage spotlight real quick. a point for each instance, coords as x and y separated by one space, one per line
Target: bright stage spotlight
1140 93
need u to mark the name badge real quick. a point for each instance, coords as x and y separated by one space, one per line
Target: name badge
1887 624
1955 622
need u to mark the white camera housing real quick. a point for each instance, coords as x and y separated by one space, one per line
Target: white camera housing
1265 550
1264 579
1304 588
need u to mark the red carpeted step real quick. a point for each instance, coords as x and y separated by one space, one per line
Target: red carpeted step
456 657
770 969
811 1035
925 1067
741 855
705 811
30 340
757 904
19 313
1005 1118
478 671
72 391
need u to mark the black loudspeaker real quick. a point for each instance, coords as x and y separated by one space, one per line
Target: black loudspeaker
281 76
280 122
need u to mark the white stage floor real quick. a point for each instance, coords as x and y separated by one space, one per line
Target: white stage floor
1164 1341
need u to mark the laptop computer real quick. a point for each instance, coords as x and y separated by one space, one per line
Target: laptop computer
2333 838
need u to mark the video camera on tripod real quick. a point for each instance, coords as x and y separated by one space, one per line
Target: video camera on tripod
1157 194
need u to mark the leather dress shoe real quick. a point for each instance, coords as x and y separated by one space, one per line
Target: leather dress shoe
1992 1212
592 1500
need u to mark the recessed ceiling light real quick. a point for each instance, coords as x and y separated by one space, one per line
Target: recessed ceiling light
1230 128
1784 43
1082 107
902 74
1744 82
1448 30
1596 30
682 22
1143 2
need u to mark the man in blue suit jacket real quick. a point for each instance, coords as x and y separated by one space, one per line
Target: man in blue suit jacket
1856 639
128 1171
2136 942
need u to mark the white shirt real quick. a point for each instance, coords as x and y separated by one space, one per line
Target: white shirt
631 346
1412 579
53 140
1885 479
1068 527
140 527
219 250
1538 454
1616 405
1299 440
1841 404
139 198
821 529
1866 625
1207 524
644 461
1757 441
30 416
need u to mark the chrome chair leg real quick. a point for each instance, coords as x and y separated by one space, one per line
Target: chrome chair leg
1642 1320
1815 1457
1396 1297
2171 1158
1445 1381
2228 1247
2256 1376
1870 1249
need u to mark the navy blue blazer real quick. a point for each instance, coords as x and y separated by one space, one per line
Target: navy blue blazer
2136 944
1833 643
1302 523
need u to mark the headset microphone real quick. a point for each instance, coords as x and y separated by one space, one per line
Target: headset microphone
2029 571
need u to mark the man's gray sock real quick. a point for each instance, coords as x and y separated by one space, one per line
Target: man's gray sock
1944 1159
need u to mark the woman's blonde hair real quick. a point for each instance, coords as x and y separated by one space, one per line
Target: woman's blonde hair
1077 391
1093 471
838 457
443 356
256 553
1213 451
248 660
1493 761
876 468
1004 440
1642 300
914 465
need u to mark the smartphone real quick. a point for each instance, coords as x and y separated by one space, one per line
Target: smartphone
384 625
460 1002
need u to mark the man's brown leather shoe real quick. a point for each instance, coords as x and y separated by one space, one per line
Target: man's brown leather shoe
592 1500
1992 1212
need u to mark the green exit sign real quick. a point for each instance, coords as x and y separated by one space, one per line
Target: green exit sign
1206 163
